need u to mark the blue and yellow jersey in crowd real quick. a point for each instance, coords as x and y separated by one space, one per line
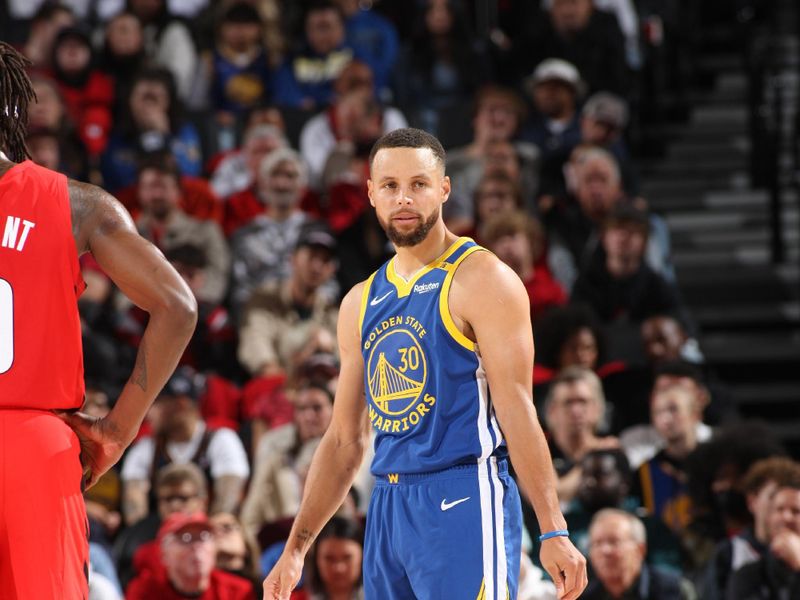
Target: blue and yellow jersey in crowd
426 388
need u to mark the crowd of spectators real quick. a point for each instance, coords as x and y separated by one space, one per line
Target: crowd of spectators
237 134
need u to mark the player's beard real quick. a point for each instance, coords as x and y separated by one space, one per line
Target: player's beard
415 236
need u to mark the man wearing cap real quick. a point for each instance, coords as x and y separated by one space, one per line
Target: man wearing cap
181 436
286 322
188 554
555 87
604 118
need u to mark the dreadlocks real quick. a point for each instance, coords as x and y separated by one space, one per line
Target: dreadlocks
16 92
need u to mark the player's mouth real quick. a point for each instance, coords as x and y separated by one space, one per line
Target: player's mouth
405 218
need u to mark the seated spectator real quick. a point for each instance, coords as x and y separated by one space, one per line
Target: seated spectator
188 555
149 121
576 31
760 483
555 88
48 118
305 80
237 171
212 348
499 112
441 66
639 438
777 573
668 344
573 411
617 283
262 247
239 64
606 483
662 480
237 552
283 457
164 223
496 193
88 92
334 563
570 336
178 489
123 54
598 192
354 118
181 436
286 322
45 25
604 118
168 43
519 241
617 548
715 474
377 38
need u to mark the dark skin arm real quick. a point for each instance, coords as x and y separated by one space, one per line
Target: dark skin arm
103 227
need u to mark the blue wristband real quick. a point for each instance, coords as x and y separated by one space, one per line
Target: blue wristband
552 534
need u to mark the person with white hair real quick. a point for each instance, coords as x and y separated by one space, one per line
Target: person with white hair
262 249
617 548
236 172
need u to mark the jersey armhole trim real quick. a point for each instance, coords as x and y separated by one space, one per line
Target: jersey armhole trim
444 305
364 297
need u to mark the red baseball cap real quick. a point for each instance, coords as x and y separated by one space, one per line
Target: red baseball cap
179 521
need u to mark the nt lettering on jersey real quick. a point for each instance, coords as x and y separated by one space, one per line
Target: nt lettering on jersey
13 238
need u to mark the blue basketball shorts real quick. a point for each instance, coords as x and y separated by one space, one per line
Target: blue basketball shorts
450 535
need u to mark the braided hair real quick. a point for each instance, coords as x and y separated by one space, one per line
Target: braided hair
16 92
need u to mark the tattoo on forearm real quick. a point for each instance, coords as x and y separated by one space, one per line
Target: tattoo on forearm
139 375
305 536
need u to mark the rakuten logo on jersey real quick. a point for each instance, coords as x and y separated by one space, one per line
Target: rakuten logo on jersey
426 287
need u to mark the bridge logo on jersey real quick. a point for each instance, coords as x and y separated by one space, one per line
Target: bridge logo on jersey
397 371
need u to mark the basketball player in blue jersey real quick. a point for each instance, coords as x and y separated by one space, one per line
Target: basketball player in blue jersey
437 353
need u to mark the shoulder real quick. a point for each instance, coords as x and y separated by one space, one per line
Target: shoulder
95 211
483 272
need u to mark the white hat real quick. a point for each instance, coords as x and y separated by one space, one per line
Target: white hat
556 69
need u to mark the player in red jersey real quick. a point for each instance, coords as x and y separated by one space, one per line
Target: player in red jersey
48 451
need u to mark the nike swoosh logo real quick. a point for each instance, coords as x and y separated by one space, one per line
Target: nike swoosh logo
448 505
376 301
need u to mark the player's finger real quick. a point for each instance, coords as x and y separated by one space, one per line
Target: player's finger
558 579
570 576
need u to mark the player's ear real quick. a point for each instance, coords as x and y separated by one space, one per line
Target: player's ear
370 188
445 188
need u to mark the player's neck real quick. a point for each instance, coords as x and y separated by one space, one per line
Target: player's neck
410 259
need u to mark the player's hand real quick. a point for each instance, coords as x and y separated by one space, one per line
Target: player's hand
283 577
101 444
565 565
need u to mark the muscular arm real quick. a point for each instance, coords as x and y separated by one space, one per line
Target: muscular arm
489 303
498 318
339 455
103 227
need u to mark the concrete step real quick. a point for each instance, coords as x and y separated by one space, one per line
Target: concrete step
753 347
755 394
760 316
742 218
732 259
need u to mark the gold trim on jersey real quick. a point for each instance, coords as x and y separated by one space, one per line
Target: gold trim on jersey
364 299
444 306
404 287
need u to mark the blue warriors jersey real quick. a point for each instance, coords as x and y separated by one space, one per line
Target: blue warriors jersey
426 388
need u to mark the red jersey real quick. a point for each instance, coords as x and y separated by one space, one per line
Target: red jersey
41 357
